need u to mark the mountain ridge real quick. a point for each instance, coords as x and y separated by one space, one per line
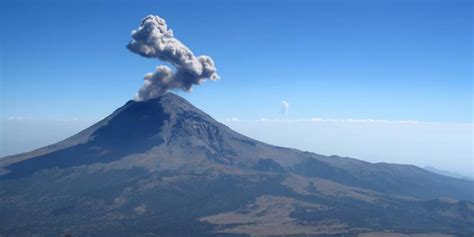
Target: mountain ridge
159 159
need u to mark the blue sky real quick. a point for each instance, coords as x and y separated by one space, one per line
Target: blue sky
64 65
395 60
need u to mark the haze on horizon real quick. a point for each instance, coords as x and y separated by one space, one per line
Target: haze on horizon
443 146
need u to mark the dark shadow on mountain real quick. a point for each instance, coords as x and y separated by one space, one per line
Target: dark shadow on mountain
133 130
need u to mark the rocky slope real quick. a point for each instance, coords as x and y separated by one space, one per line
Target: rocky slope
163 167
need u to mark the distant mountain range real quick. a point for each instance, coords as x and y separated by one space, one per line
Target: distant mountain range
164 168
448 173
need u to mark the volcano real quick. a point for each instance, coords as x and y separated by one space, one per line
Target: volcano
162 167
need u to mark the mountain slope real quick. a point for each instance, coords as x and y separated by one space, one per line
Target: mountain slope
163 167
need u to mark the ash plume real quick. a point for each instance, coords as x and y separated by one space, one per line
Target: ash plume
153 39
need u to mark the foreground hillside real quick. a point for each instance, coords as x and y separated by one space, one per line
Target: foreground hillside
164 168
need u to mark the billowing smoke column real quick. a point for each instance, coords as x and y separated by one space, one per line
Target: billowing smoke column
153 39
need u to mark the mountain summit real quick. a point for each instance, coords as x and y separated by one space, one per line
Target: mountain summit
162 167
166 124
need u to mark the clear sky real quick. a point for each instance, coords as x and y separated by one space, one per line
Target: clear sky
384 60
398 60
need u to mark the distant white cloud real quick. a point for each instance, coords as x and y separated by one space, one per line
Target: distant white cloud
329 120
29 119
231 119
285 106
15 118
73 119
362 120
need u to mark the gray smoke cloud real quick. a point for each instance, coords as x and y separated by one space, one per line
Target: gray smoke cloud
153 39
